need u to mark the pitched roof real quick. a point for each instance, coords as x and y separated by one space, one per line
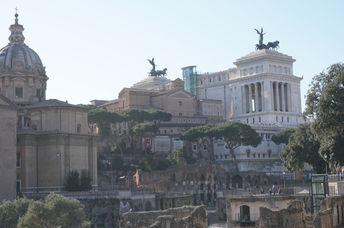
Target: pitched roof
54 103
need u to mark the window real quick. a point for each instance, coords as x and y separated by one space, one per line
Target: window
18 159
204 146
254 155
78 128
258 155
195 147
263 155
225 156
201 82
248 152
180 114
276 118
260 119
180 103
219 78
123 104
19 92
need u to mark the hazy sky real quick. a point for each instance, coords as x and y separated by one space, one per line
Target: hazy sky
92 49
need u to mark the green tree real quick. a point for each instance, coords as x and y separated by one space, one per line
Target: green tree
85 181
202 135
10 212
103 119
236 134
144 128
55 211
283 136
73 181
77 182
138 122
303 147
325 105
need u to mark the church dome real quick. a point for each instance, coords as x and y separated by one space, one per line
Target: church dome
17 57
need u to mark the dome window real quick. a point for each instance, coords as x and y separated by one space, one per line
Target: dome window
19 92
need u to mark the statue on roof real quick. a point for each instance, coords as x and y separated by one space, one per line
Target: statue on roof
156 73
152 63
261 45
261 35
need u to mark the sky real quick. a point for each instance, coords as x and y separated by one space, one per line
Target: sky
92 49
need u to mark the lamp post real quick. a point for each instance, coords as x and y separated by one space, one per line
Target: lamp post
284 180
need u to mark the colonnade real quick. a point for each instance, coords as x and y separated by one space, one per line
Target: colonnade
281 96
253 94
253 97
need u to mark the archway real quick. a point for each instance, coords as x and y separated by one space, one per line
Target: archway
237 181
244 213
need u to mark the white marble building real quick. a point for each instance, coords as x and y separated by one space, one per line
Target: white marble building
261 91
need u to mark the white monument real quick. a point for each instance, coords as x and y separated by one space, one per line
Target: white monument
261 91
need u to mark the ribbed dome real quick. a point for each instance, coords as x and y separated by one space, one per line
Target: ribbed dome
17 57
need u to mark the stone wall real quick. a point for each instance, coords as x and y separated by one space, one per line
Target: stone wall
292 216
8 121
331 213
187 216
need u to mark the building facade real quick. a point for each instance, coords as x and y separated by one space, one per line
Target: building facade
163 94
261 91
8 129
52 137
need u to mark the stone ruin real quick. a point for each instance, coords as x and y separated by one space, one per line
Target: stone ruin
180 217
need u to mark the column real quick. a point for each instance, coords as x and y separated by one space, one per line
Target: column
271 97
277 96
282 96
286 97
274 96
243 99
249 98
262 95
289 100
256 105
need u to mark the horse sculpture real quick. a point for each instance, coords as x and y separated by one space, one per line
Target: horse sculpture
161 72
156 73
270 45
261 45
273 45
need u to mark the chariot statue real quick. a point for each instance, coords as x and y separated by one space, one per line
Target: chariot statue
154 72
261 45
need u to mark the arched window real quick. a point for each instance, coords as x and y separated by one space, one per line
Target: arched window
244 213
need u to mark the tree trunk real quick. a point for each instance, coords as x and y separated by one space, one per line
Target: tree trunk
231 151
